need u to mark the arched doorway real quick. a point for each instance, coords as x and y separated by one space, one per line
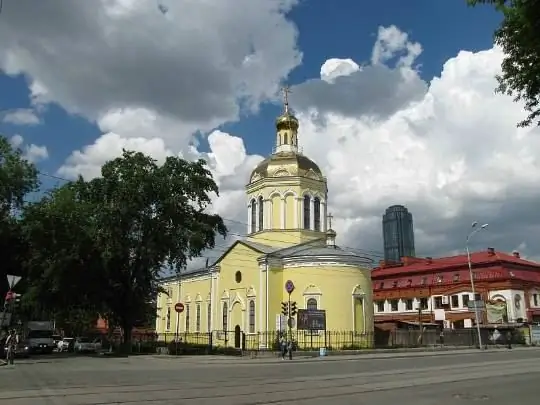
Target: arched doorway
237 336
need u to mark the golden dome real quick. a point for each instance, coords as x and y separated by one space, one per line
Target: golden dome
287 121
283 164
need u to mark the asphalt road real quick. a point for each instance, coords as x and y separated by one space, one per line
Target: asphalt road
504 376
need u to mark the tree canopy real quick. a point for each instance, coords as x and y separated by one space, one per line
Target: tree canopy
519 37
18 177
101 245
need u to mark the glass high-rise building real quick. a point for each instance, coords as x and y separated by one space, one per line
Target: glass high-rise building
398 233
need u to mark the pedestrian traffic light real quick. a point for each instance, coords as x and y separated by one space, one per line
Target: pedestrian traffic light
293 308
285 308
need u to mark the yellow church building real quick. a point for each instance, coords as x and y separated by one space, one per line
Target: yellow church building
289 239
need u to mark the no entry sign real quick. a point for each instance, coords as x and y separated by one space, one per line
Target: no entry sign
179 307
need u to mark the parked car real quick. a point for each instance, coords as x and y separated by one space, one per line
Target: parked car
85 345
56 339
67 344
21 351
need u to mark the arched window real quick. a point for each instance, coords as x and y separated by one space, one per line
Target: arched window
225 316
251 316
168 325
209 317
187 318
253 216
311 304
198 318
261 213
307 209
317 213
285 139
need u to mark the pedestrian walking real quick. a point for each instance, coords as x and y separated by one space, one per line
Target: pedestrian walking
283 346
11 346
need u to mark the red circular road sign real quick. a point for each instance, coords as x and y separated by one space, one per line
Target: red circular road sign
289 286
9 295
179 307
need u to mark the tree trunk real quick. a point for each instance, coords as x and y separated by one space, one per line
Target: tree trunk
127 328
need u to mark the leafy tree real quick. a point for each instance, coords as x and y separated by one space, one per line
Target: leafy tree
18 177
148 216
519 37
63 264
101 245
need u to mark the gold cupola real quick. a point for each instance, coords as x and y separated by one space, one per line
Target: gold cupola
286 159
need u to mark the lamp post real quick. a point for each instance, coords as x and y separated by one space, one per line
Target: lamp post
475 229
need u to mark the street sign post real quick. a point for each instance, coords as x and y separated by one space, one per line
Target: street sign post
179 307
289 287
13 280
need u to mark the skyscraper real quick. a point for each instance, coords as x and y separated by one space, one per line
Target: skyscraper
398 233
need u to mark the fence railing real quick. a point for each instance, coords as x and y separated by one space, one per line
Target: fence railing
223 341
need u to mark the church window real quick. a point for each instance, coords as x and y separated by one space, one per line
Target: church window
209 317
251 316
168 326
317 213
198 318
253 216
285 139
225 317
261 213
187 318
311 304
307 209
238 277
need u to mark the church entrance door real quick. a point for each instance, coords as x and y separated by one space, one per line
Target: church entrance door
237 336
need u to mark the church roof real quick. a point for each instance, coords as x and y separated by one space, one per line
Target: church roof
302 164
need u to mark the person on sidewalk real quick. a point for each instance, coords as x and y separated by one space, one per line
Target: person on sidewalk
283 346
11 346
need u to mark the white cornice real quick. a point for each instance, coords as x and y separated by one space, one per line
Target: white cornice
327 260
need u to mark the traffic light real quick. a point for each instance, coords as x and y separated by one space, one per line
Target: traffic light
285 308
16 300
293 308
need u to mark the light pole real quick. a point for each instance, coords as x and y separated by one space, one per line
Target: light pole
475 229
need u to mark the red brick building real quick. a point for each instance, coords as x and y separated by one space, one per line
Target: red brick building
430 290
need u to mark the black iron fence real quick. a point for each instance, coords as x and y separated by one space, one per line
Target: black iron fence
232 342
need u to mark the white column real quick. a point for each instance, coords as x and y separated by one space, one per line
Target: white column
283 212
322 213
249 230
267 214
258 209
259 301
312 213
296 210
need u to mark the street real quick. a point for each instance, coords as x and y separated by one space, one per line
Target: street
460 378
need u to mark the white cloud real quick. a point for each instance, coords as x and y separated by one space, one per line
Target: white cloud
198 63
21 116
447 148
31 152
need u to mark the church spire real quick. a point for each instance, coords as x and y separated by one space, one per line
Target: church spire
287 127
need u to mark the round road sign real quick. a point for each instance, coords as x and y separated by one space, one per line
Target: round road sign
179 307
289 286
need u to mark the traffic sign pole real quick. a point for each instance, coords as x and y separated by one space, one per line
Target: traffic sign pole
179 308
289 287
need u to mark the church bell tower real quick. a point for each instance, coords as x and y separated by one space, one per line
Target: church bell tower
287 192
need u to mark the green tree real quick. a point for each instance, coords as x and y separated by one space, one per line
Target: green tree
63 263
519 37
18 177
150 216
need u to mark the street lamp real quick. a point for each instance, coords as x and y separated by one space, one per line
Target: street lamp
475 229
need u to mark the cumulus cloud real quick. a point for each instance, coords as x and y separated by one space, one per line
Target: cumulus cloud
31 152
447 147
199 62
21 116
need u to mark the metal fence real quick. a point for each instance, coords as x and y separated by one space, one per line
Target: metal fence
219 341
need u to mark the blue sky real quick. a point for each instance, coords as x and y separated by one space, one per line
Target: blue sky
410 128
339 29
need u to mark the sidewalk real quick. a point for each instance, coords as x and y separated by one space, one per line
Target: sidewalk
361 355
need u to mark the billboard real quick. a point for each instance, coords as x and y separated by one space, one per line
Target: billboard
311 319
